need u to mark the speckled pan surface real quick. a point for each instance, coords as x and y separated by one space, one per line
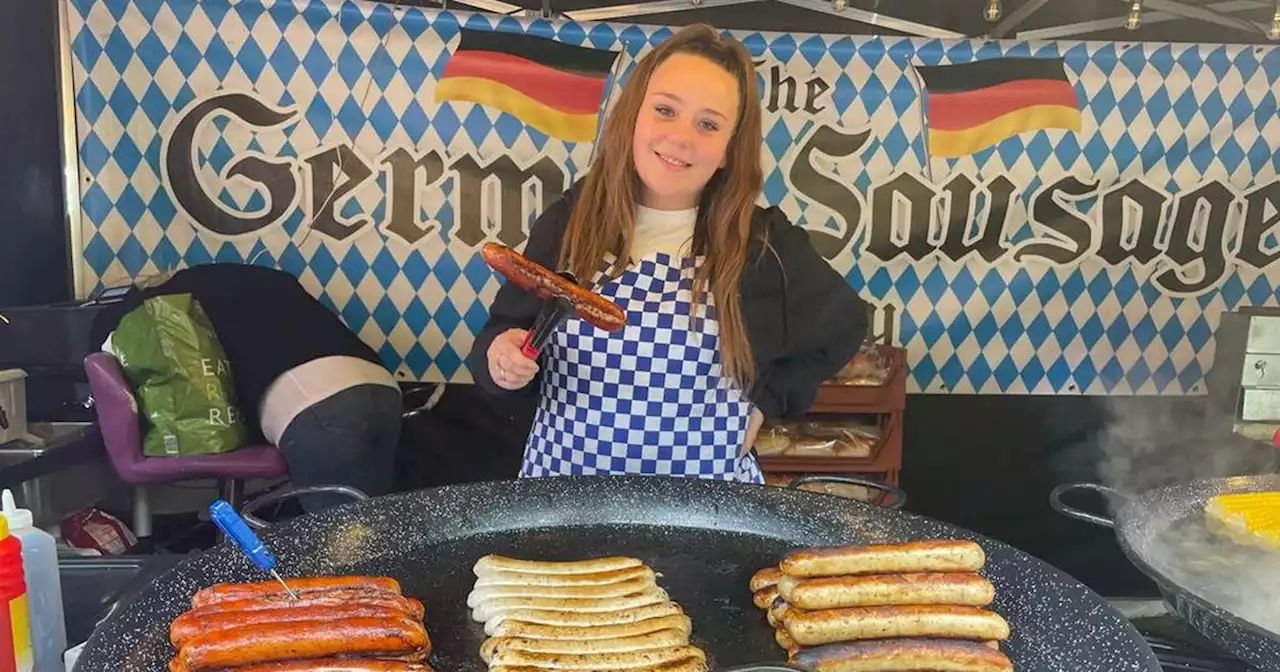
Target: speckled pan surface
1162 532
704 538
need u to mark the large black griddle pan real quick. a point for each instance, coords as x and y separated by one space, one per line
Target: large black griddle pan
705 538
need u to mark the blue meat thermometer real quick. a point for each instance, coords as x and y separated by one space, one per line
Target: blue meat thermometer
235 529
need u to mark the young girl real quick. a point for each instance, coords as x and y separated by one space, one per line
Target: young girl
732 317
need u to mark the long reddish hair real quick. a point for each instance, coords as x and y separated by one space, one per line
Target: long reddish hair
603 217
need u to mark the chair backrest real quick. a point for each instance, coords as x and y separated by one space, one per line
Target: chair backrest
117 409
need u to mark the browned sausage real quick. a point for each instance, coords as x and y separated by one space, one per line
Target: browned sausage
661 639
589 632
596 661
279 642
224 592
783 638
196 622
507 577
765 597
538 280
332 598
690 664
480 595
583 618
492 564
915 556
764 578
491 608
832 592
811 628
338 665
778 611
907 655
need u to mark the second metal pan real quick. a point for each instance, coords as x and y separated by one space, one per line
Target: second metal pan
1225 591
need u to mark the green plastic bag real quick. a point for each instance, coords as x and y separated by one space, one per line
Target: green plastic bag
171 355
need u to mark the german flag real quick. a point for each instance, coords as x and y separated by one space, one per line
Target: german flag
551 86
976 105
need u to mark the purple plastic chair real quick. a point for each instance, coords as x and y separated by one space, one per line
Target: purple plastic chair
121 427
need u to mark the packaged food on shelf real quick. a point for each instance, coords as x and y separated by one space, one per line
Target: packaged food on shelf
845 438
850 437
870 367
773 439
846 490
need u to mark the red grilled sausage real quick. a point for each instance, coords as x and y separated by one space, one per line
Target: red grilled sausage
239 591
540 281
197 622
260 643
333 598
337 665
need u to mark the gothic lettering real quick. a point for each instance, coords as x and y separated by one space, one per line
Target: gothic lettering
1131 238
781 91
276 177
840 199
327 193
813 89
1198 238
907 199
1183 235
403 188
989 243
469 228
1261 214
1066 224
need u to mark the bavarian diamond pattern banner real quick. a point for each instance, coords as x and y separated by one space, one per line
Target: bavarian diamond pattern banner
1025 218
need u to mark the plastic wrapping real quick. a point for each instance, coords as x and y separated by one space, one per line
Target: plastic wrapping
846 490
870 367
819 438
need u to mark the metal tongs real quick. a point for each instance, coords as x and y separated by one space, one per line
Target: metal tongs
233 526
554 312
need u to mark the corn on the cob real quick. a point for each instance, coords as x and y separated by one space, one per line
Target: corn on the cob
1251 518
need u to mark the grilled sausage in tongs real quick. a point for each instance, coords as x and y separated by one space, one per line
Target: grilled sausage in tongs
560 289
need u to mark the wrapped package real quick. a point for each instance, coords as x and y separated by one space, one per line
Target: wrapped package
870 367
846 490
851 438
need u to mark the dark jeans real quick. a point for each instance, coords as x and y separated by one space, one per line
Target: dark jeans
348 439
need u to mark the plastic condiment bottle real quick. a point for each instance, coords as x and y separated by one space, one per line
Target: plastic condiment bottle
44 587
15 631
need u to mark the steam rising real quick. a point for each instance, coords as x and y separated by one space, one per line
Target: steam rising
1150 443
1242 580
1154 443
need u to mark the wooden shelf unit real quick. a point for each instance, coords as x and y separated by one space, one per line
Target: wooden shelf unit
835 400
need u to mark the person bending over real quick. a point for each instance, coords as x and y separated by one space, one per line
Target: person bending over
304 382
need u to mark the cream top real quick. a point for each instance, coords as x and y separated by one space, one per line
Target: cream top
667 231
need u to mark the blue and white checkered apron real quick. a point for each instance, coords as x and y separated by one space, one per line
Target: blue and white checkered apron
647 399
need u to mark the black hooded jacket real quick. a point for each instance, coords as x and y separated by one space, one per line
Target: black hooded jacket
803 320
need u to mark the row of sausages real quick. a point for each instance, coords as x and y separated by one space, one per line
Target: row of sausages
334 624
586 615
914 606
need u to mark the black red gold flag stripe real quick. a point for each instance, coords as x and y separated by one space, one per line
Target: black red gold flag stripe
975 105
552 86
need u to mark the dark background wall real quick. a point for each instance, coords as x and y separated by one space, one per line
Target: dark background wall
986 463
34 267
